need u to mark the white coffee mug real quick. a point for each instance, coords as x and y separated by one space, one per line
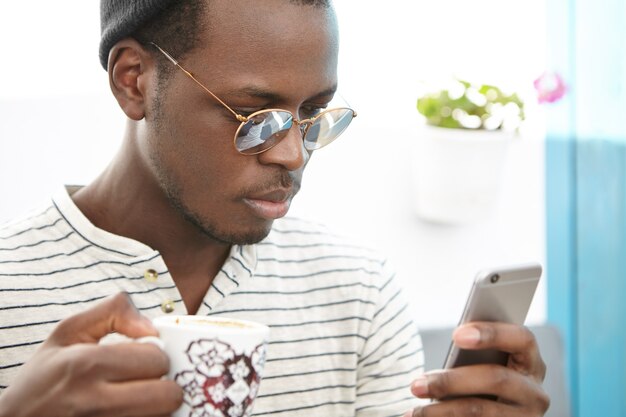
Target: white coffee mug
217 361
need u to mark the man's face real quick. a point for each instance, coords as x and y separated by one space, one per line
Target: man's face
255 55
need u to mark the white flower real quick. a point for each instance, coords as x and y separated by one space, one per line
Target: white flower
211 352
192 384
239 370
258 359
217 392
236 410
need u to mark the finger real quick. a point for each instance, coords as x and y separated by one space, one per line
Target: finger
113 314
118 362
143 398
516 340
140 361
506 384
466 407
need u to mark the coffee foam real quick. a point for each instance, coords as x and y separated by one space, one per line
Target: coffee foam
209 322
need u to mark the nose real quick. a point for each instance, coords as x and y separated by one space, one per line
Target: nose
289 152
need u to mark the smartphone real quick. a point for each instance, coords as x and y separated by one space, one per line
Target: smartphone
500 294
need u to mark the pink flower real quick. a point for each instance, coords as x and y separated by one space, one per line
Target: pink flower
550 87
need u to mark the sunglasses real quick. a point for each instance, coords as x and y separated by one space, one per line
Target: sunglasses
264 129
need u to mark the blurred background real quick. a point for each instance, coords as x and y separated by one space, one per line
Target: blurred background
559 195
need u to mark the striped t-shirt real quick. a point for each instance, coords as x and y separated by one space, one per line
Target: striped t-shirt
342 342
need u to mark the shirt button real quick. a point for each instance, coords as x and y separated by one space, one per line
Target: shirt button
151 275
167 306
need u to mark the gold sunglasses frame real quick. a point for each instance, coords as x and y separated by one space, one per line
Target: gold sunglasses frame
302 124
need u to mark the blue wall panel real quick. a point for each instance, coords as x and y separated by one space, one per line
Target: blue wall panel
601 254
586 200
561 248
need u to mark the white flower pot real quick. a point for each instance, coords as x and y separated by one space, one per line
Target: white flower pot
457 173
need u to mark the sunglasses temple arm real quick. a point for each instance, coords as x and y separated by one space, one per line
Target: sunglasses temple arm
190 75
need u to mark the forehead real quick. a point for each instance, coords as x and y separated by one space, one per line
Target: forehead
269 43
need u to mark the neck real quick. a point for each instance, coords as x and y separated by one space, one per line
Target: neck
127 200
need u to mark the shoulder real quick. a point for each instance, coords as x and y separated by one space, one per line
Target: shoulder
31 228
33 243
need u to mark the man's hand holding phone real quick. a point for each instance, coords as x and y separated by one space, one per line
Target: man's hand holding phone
493 366
517 386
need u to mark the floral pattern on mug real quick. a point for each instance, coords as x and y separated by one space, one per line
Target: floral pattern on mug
221 382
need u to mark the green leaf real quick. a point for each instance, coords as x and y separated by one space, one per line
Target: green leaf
439 109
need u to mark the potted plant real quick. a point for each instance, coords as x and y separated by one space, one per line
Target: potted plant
462 149
463 105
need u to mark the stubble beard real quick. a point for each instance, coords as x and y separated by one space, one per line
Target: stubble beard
205 226
172 189
208 227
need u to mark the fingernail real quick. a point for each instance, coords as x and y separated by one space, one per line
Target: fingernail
467 335
419 387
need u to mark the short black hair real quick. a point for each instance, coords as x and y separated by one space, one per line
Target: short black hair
178 29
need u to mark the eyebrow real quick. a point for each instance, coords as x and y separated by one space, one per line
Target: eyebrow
253 91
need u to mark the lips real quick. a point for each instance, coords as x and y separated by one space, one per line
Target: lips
270 205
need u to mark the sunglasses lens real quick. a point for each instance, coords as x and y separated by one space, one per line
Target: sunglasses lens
262 131
327 127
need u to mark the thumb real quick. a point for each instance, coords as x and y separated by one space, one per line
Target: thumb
114 314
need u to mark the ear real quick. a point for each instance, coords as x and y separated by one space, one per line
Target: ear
131 71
